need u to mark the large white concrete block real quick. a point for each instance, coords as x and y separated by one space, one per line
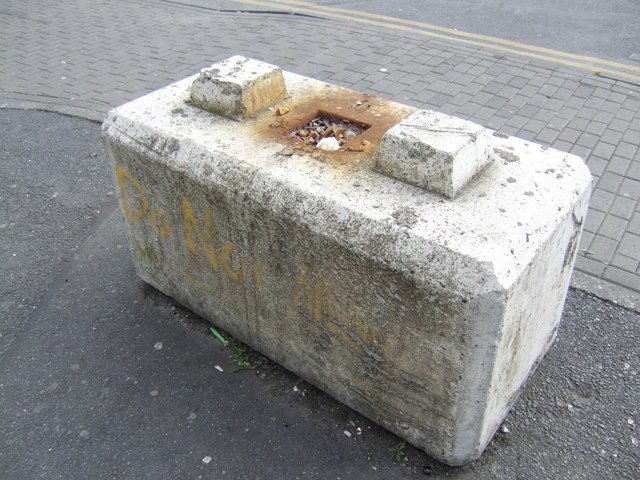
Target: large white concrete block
424 313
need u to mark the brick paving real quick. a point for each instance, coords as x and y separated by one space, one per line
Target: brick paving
82 58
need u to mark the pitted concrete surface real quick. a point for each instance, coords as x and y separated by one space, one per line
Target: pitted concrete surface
107 378
83 58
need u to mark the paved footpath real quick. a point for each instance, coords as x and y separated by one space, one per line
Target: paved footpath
82 57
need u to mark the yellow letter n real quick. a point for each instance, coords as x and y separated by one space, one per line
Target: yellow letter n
192 230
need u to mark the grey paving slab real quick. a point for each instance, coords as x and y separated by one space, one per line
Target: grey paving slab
82 57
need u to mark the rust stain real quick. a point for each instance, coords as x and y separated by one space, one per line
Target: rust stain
344 103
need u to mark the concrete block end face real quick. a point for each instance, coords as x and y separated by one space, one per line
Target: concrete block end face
238 87
434 151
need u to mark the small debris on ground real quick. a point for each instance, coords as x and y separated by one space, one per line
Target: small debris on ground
505 429
154 393
427 469
219 336
347 433
219 368
158 346
383 70
206 460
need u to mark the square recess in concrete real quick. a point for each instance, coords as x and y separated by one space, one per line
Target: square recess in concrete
326 124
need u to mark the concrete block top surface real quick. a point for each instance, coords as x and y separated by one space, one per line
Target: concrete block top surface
435 151
479 242
238 87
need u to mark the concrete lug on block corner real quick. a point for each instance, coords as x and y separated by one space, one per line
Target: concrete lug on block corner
238 87
425 315
434 151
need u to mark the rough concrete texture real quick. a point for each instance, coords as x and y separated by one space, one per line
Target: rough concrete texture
435 151
425 315
238 87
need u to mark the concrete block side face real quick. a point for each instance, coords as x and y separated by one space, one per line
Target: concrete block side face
370 336
532 315
238 87
434 151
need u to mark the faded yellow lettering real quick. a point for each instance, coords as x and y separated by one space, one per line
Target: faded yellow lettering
225 257
123 174
159 223
192 229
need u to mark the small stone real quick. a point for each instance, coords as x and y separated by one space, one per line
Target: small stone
192 416
505 429
206 460
283 110
347 433
630 421
154 393
158 346
383 70
84 433
329 144
219 368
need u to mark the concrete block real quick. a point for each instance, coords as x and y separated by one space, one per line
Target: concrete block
238 87
424 314
434 151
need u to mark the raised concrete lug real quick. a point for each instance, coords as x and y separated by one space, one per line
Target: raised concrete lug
434 151
238 87
424 314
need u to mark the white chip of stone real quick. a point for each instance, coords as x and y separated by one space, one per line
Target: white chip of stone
329 144
158 346
206 460
154 393
219 368
434 151
347 433
238 87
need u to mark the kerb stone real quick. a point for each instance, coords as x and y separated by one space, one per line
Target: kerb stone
424 313
238 87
